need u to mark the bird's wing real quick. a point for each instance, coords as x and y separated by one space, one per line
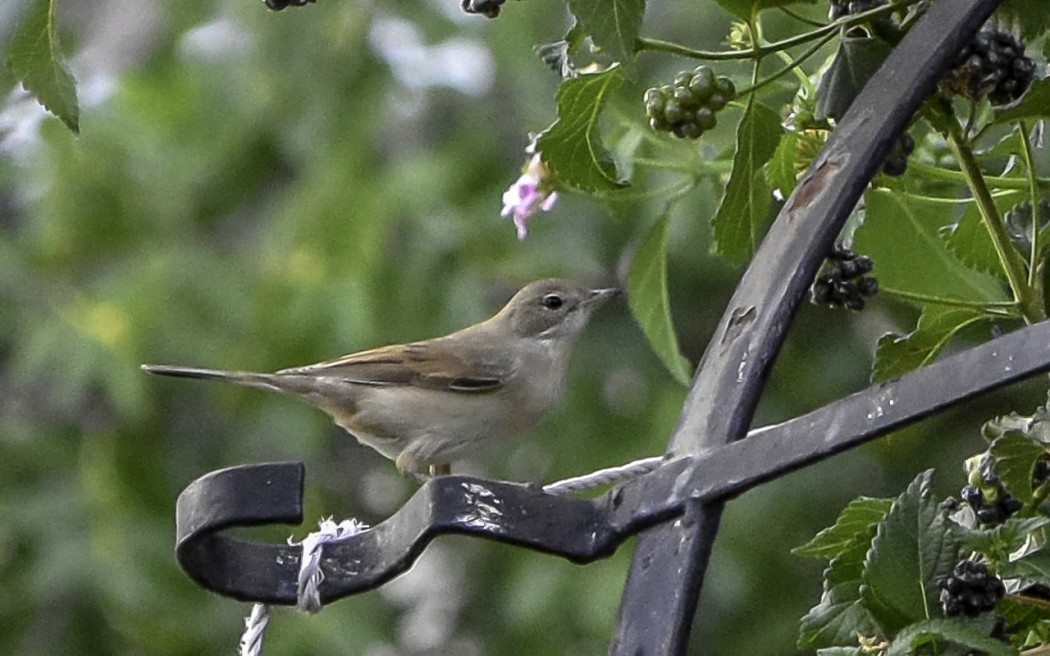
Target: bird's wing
431 365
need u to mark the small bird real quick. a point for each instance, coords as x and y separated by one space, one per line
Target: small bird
429 403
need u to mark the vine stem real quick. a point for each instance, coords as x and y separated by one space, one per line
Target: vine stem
1000 182
1031 304
792 65
758 50
1034 279
997 309
946 200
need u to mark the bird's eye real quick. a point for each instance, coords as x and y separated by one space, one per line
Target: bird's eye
552 301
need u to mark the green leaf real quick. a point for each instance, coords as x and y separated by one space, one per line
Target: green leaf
780 169
969 241
1015 454
999 542
901 234
913 550
613 26
947 630
840 616
647 296
896 355
854 64
1034 105
1034 568
855 523
35 58
999 426
745 210
1030 17
572 148
745 9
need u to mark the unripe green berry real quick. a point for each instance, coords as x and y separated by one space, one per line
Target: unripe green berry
651 95
659 124
716 102
690 129
654 107
682 78
701 87
673 111
704 73
684 96
705 118
724 86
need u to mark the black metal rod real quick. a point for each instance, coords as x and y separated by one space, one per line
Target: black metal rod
773 451
667 572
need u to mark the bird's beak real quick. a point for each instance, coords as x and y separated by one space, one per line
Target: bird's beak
598 297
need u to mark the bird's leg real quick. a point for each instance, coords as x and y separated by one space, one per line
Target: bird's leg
440 469
409 467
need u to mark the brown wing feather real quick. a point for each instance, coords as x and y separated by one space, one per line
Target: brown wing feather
430 365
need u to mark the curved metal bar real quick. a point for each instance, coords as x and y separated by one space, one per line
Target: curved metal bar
249 495
667 572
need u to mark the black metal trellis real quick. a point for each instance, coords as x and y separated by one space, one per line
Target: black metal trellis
706 463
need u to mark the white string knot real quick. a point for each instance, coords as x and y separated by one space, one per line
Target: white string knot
310 573
310 577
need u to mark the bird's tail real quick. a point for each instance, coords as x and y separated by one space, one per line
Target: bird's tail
264 381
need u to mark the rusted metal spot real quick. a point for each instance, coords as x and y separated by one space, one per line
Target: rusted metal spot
740 318
813 185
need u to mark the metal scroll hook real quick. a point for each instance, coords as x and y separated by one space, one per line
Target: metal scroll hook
249 495
246 495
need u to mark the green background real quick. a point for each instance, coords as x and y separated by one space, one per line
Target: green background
255 191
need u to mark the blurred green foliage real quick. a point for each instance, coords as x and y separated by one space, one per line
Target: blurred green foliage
254 190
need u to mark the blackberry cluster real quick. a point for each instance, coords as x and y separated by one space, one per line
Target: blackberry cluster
688 107
993 65
843 280
970 590
897 161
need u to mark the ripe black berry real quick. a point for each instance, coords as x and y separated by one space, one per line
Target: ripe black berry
897 160
970 590
687 108
993 64
278 5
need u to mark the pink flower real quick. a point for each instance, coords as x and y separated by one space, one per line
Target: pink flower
529 194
